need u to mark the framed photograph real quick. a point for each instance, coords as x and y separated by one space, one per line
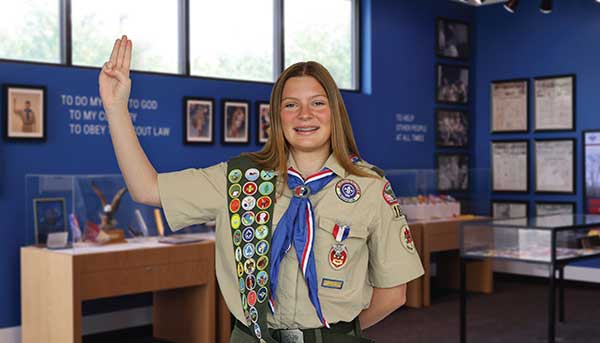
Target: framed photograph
510 172
554 103
591 171
452 128
263 122
24 112
49 215
544 208
235 121
453 172
198 118
555 166
503 209
452 39
452 85
510 104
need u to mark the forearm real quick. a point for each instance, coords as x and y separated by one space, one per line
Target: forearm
383 302
139 174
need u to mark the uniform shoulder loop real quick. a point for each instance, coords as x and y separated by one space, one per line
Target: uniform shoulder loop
365 164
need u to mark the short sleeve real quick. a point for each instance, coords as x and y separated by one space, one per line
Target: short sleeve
393 257
193 196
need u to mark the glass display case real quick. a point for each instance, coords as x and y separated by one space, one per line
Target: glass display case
545 239
553 240
90 210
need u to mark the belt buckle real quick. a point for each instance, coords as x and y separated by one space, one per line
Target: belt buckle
291 336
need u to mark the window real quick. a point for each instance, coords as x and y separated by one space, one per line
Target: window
152 25
322 31
30 31
232 39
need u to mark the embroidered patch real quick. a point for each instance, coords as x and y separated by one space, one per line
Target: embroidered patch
347 190
235 176
331 283
267 174
252 174
234 205
388 194
235 190
407 239
262 262
397 211
262 231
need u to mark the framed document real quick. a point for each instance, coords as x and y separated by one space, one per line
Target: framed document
543 208
49 215
591 167
198 119
510 172
452 128
452 38
502 209
555 166
452 84
24 115
235 121
453 172
554 103
509 102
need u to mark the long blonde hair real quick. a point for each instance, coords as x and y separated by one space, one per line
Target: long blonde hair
274 154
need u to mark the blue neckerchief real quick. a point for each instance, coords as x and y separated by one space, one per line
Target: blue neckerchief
297 226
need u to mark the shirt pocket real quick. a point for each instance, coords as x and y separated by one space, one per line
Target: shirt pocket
351 275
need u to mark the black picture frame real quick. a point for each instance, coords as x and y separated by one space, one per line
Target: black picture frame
262 124
493 113
228 108
458 182
566 203
493 166
450 85
573 165
591 188
198 109
573 95
452 39
29 122
448 136
49 215
509 202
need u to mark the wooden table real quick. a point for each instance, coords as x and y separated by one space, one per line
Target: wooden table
182 277
437 236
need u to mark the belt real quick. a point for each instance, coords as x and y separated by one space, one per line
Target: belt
317 335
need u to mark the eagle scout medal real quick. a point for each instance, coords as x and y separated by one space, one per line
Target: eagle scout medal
347 190
338 254
407 240
250 189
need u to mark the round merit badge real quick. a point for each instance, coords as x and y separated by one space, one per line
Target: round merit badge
252 174
261 294
247 218
234 205
266 188
248 234
262 263
237 237
262 217
248 203
250 188
235 176
407 239
347 190
235 221
262 231
252 298
267 174
338 255
262 247
235 190
263 202
249 266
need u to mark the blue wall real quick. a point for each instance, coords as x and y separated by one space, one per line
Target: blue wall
529 44
399 62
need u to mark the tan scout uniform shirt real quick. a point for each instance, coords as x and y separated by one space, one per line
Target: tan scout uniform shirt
376 255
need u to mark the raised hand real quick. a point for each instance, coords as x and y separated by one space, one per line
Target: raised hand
114 81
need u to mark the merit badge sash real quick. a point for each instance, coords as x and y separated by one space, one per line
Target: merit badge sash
250 196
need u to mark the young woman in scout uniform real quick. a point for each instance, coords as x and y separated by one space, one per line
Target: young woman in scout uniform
311 243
